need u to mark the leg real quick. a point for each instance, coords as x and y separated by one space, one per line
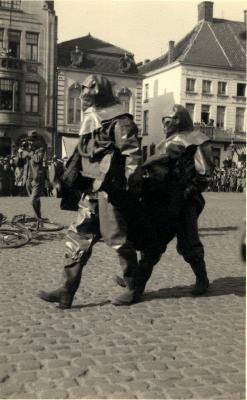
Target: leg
191 248
114 230
81 237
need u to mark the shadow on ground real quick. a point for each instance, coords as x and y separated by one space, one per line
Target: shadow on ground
219 287
39 238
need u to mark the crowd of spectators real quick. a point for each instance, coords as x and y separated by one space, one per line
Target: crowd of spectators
12 182
227 179
231 179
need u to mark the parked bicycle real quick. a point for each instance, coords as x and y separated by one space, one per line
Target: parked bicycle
18 231
12 235
28 222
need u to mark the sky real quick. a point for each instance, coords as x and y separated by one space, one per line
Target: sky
144 28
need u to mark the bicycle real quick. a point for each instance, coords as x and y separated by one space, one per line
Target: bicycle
12 235
31 223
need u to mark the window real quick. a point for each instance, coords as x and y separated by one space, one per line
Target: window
190 108
1 39
240 119
144 153
9 95
190 85
124 96
220 116
145 122
14 38
206 87
241 89
205 114
14 4
32 39
32 97
74 115
222 88
146 92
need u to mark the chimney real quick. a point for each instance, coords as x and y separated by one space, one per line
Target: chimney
245 18
205 11
170 51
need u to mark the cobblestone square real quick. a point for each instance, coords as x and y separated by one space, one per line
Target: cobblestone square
169 346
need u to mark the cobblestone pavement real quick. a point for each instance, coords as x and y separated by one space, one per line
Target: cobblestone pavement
169 346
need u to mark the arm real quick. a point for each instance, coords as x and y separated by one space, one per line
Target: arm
126 141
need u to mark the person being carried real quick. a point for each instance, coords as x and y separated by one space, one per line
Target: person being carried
174 204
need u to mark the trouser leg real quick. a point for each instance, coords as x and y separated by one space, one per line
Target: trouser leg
191 248
114 230
81 237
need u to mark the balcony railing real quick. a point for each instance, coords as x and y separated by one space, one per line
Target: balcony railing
11 63
227 135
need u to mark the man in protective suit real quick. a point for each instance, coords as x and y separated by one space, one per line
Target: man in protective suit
175 179
104 169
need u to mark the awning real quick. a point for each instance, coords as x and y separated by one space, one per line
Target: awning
68 145
240 148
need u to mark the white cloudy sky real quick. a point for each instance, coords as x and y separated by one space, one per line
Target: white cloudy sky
141 27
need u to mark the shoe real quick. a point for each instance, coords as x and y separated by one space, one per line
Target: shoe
201 286
130 296
60 296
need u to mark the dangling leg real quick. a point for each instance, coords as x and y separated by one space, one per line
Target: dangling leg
191 248
114 230
81 237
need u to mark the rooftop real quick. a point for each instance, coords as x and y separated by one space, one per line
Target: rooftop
98 55
217 43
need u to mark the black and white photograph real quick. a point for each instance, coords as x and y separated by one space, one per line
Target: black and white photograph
123 199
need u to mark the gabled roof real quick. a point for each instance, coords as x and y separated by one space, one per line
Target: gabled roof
99 56
220 43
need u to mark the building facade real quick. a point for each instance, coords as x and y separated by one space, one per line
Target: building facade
79 58
28 36
206 73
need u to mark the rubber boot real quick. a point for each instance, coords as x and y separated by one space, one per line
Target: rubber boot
65 295
202 282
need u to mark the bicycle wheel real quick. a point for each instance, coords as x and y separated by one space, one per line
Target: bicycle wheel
13 238
31 223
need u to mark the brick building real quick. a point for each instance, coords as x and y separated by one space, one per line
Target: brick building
80 57
206 72
28 35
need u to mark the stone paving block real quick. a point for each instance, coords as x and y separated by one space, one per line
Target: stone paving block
51 364
109 390
7 389
54 394
182 393
24 376
30 365
47 355
80 392
206 392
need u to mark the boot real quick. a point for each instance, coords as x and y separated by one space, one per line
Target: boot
202 282
130 295
65 295
60 296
